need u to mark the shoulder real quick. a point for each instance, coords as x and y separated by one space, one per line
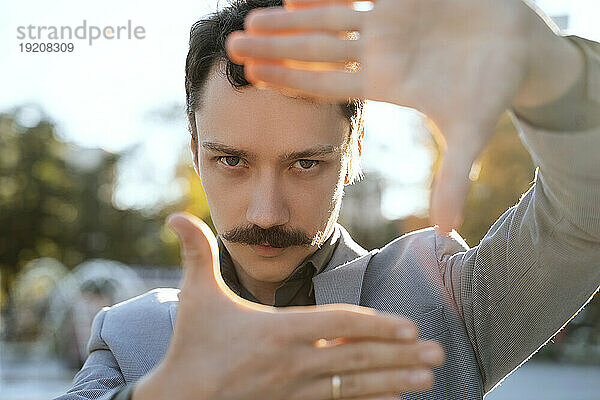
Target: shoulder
417 256
137 332
429 243
153 302
153 311
407 275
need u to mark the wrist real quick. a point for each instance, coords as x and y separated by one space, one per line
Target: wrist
554 65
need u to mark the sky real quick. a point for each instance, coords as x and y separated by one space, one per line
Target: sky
128 94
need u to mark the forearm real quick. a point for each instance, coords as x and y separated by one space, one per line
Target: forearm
538 264
564 140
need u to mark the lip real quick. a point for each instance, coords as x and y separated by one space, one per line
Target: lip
267 251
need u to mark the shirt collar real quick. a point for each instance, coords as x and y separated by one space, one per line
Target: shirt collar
321 257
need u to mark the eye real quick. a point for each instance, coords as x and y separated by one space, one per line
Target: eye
305 164
230 161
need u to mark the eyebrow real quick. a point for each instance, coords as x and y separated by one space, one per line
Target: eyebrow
317 151
223 148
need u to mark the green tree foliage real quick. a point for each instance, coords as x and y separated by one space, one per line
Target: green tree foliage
55 201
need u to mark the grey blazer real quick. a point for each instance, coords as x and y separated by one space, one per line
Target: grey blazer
491 307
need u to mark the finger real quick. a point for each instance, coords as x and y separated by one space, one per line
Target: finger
199 254
314 47
332 19
372 383
298 4
327 85
344 321
449 190
238 59
366 355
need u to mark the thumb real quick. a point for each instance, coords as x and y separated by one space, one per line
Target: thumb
199 254
449 191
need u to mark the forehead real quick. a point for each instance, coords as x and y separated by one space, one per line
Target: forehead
266 121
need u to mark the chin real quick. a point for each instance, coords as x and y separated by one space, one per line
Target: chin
271 268
268 276
270 272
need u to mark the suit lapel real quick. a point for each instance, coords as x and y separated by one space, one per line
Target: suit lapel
341 281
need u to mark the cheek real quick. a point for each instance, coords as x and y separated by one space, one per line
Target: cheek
313 203
226 201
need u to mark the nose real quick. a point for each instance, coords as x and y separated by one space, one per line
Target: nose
267 206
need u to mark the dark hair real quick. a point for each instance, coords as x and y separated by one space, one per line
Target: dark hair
207 49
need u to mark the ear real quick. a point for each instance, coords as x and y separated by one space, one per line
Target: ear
194 149
361 136
194 142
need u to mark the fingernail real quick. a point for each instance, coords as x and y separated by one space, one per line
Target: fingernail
418 377
406 333
430 356
170 219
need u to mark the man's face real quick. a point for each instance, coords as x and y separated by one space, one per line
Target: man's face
273 170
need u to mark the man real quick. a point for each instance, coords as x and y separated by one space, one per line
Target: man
273 167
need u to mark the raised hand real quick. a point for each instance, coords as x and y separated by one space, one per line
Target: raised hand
224 347
461 62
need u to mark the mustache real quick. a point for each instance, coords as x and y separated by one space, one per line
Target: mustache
275 236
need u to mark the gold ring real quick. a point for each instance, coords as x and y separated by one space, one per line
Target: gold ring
336 387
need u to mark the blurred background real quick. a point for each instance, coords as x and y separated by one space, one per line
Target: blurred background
93 157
